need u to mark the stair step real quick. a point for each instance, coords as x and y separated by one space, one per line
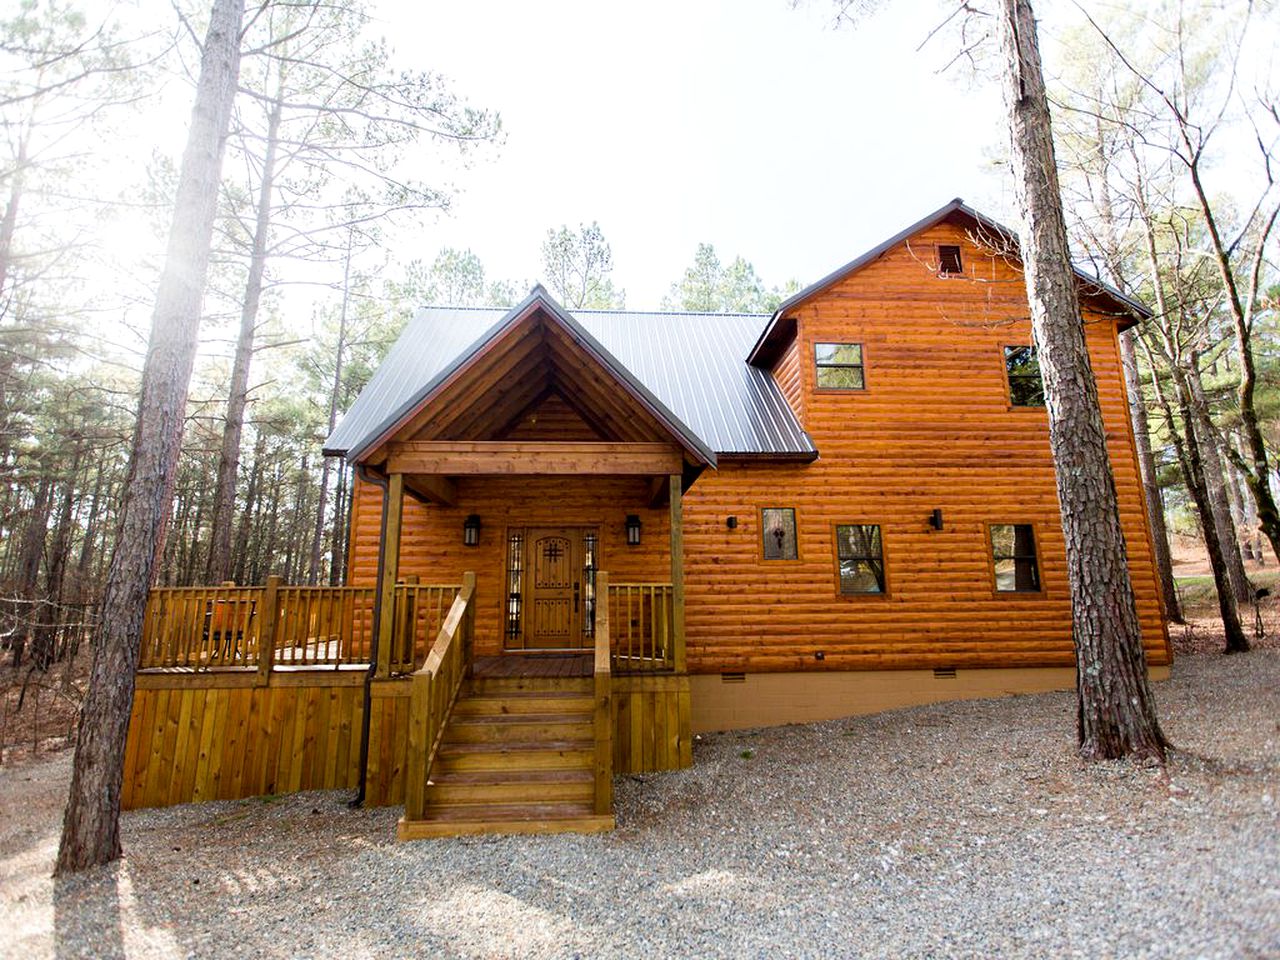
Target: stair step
500 686
521 727
496 787
514 755
524 702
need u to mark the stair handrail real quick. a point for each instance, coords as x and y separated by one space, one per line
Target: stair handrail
434 690
603 765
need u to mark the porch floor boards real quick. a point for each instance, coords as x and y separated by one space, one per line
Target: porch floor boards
533 665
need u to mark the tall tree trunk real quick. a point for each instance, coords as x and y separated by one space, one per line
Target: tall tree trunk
45 651
224 497
1215 484
37 529
313 575
9 221
1116 712
1188 446
1150 479
245 539
91 826
341 529
84 564
1254 465
1248 510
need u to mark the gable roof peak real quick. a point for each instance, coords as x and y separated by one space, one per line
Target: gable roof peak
776 330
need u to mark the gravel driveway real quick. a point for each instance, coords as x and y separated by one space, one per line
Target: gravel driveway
964 829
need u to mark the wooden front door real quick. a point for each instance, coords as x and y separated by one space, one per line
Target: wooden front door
555 577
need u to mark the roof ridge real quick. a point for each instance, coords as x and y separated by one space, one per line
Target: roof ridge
676 313
455 306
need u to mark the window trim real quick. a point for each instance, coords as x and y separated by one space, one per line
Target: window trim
884 594
862 352
996 592
1008 384
795 513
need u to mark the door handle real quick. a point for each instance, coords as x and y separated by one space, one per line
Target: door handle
575 596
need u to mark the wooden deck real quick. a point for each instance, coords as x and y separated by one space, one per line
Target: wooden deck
533 665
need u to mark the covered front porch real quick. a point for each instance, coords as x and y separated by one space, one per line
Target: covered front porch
512 633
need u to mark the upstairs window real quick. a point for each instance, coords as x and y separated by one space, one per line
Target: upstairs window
861 558
778 530
839 366
1026 388
949 262
1013 556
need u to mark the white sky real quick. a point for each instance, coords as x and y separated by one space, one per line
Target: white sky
747 124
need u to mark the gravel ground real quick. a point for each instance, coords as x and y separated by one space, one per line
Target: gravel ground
965 830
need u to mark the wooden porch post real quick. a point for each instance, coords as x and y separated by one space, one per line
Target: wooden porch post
677 570
390 556
269 619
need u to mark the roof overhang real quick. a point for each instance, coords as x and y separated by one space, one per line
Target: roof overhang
537 302
780 329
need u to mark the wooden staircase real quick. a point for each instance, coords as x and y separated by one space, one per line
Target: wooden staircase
516 756
508 754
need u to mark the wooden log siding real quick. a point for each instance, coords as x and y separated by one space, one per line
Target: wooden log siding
933 429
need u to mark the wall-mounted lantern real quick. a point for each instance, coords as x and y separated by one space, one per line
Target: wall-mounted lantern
731 523
935 519
633 530
471 531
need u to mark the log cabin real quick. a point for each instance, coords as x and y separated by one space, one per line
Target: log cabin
579 538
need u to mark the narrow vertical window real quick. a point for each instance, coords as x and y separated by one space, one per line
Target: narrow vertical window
589 564
1013 555
861 558
515 575
778 529
1026 387
839 366
949 260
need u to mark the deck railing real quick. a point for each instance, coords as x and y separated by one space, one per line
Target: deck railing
434 691
202 627
420 609
209 628
323 626
641 622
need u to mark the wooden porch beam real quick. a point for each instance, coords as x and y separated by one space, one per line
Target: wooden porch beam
439 490
478 457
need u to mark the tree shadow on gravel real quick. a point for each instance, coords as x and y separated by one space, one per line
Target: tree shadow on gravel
81 931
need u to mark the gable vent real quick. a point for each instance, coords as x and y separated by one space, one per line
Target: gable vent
949 259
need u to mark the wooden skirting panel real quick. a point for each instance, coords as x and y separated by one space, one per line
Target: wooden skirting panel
739 701
192 739
388 742
199 737
652 727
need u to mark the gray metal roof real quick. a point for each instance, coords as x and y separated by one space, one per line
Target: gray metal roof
692 364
